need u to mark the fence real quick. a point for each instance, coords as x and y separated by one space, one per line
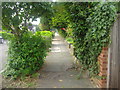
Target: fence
114 53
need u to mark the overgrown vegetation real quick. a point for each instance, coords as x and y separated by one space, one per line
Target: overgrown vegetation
70 40
92 22
87 24
47 36
62 33
6 36
25 57
27 51
16 15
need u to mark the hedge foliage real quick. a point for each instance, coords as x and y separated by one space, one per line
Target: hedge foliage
47 36
63 33
5 35
92 22
26 55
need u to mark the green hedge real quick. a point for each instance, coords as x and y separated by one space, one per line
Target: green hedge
118 7
69 39
62 33
26 55
92 22
47 35
5 35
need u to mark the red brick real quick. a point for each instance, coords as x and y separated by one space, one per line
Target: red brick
104 52
103 73
102 81
103 86
103 76
103 68
102 58
103 63
105 48
103 55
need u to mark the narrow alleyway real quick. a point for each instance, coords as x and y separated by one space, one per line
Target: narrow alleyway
57 72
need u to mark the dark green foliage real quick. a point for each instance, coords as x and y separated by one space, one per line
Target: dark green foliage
46 22
26 55
62 33
60 18
118 7
26 50
92 22
16 15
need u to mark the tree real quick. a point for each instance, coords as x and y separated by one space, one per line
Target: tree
14 14
46 22
61 17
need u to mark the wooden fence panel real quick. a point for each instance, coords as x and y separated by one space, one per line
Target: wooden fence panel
119 53
114 78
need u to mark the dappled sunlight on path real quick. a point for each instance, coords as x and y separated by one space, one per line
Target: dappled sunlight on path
57 72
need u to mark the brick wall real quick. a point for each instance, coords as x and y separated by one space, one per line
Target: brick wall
103 61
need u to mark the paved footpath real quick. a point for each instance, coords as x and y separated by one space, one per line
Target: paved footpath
56 72
3 57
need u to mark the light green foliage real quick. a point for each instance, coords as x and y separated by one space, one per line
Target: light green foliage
6 36
69 30
92 22
27 56
47 35
69 39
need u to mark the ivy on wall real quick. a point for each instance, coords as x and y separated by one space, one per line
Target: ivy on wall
92 22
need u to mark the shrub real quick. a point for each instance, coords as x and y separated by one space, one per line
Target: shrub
26 55
6 36
69 39
69 30
47 35
62 33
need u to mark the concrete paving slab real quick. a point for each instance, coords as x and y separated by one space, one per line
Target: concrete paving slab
56 73
3 58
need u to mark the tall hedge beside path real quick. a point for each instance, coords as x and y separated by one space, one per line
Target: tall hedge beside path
92 22
26 55
47 36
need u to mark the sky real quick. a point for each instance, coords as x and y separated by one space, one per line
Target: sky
36 22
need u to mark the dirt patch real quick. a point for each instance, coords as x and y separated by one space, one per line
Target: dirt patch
23 82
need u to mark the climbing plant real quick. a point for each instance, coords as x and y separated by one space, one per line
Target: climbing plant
92 22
